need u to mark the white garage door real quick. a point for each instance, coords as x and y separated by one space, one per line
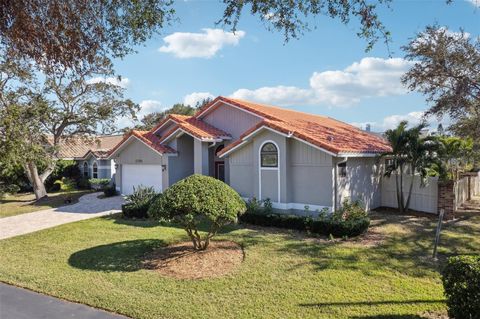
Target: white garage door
146 175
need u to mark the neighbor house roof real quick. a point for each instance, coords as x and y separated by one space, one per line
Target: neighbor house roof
146 137
324 132
194 127
78 146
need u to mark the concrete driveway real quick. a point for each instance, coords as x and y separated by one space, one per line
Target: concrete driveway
88 206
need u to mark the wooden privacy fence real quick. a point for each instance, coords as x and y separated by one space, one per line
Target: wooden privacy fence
424 199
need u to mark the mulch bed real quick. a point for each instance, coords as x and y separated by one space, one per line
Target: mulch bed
181 261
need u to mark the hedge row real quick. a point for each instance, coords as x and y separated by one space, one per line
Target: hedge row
324 226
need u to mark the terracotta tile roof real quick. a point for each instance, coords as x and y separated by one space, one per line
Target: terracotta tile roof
194 127
324 132
77 147
148 138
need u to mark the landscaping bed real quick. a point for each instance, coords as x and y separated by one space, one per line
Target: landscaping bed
284 274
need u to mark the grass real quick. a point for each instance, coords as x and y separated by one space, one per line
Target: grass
284 274
25 203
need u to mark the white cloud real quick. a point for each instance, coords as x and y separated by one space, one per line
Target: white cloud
150 106
476 3
196 97
199 45
370 77
413 118
122 82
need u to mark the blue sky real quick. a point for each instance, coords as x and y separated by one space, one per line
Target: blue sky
326 71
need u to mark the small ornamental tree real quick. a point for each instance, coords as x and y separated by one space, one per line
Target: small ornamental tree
196 200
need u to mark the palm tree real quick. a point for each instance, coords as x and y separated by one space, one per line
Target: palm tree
409 150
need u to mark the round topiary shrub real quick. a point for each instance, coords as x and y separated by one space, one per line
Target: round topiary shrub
197 200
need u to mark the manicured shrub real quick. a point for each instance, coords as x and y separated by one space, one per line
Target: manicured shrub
350 221
199 200
110 191
99 183
461 280
137 204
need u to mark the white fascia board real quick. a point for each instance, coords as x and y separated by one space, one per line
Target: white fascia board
346 154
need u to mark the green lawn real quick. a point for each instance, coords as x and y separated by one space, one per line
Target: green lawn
284 274
25 203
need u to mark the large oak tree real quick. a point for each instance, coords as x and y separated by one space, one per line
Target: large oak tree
37 114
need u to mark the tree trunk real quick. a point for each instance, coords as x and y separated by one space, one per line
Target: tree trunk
402 202
407 205
35 180
399 201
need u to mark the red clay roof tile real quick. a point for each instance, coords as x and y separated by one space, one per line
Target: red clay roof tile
324 132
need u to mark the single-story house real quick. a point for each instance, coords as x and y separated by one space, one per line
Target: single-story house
91 154
293 158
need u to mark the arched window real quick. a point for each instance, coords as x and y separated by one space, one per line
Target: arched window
269 155
85 169
95 170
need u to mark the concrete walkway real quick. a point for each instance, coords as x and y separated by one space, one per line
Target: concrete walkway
18 303
88 206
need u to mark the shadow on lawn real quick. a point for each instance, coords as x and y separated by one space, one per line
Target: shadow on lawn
406 247
370 303
120 256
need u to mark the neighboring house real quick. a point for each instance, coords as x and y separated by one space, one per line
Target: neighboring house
293 158
91 154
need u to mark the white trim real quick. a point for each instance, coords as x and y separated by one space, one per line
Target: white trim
297 206
95 164
260 169
229 104
347 154
125 142
300 206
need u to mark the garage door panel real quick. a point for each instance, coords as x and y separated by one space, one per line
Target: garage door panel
136 175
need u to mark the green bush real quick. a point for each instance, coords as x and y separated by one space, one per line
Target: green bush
350 221
99 183
63 168
83 183
110 191
8 189
461 280
65 184
198 200
137 204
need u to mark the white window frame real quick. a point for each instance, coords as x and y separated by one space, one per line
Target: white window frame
85 169
260 169
93 171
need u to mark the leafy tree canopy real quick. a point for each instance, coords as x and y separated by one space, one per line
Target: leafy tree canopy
73 33
447 72
150 120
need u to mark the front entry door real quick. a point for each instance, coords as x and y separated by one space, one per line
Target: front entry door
220 171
